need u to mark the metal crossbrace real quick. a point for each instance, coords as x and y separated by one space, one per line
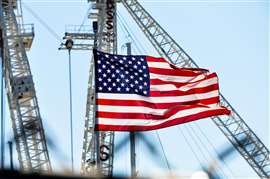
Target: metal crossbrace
24 111
233 127
85 40
106 41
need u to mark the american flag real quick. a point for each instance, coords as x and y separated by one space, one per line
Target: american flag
138 93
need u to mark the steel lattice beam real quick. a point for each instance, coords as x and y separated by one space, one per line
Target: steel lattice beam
24 111
233 127
106 41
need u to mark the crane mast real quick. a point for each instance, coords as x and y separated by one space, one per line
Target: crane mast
104 13
24 111
233 127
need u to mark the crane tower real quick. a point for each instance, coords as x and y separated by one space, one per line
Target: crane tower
24 110
104 13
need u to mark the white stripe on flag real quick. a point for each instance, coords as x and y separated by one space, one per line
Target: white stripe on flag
137 109
180 79
149 122
171 87
159 65
169 99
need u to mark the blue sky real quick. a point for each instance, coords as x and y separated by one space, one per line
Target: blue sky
228 37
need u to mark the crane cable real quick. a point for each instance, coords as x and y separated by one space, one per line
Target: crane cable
85 17
166 159
42 22
190 146
213 147
200 143
130 33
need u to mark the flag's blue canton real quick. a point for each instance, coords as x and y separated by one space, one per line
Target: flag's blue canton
122 74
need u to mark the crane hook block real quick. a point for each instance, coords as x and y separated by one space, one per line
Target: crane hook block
69 43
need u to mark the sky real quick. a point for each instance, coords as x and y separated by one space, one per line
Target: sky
228 37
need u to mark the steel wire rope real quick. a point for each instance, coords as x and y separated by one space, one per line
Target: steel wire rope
70 111
42 22
214 148
85 17
219 168
137 51
204 157
128 35
196 144
163 151
190 146
84 20
129 31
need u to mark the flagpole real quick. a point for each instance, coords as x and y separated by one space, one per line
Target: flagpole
132 136
95 29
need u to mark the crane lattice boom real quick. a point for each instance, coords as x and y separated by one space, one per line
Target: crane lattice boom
24 111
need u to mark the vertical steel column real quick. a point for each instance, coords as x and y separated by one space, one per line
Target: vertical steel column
132 136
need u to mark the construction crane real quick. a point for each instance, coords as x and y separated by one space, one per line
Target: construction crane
24 110
104 34
106 40
233 127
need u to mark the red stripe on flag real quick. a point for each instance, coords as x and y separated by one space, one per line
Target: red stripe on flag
155 59
144 116
174 72
115 102
182 93
173 122
180 84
